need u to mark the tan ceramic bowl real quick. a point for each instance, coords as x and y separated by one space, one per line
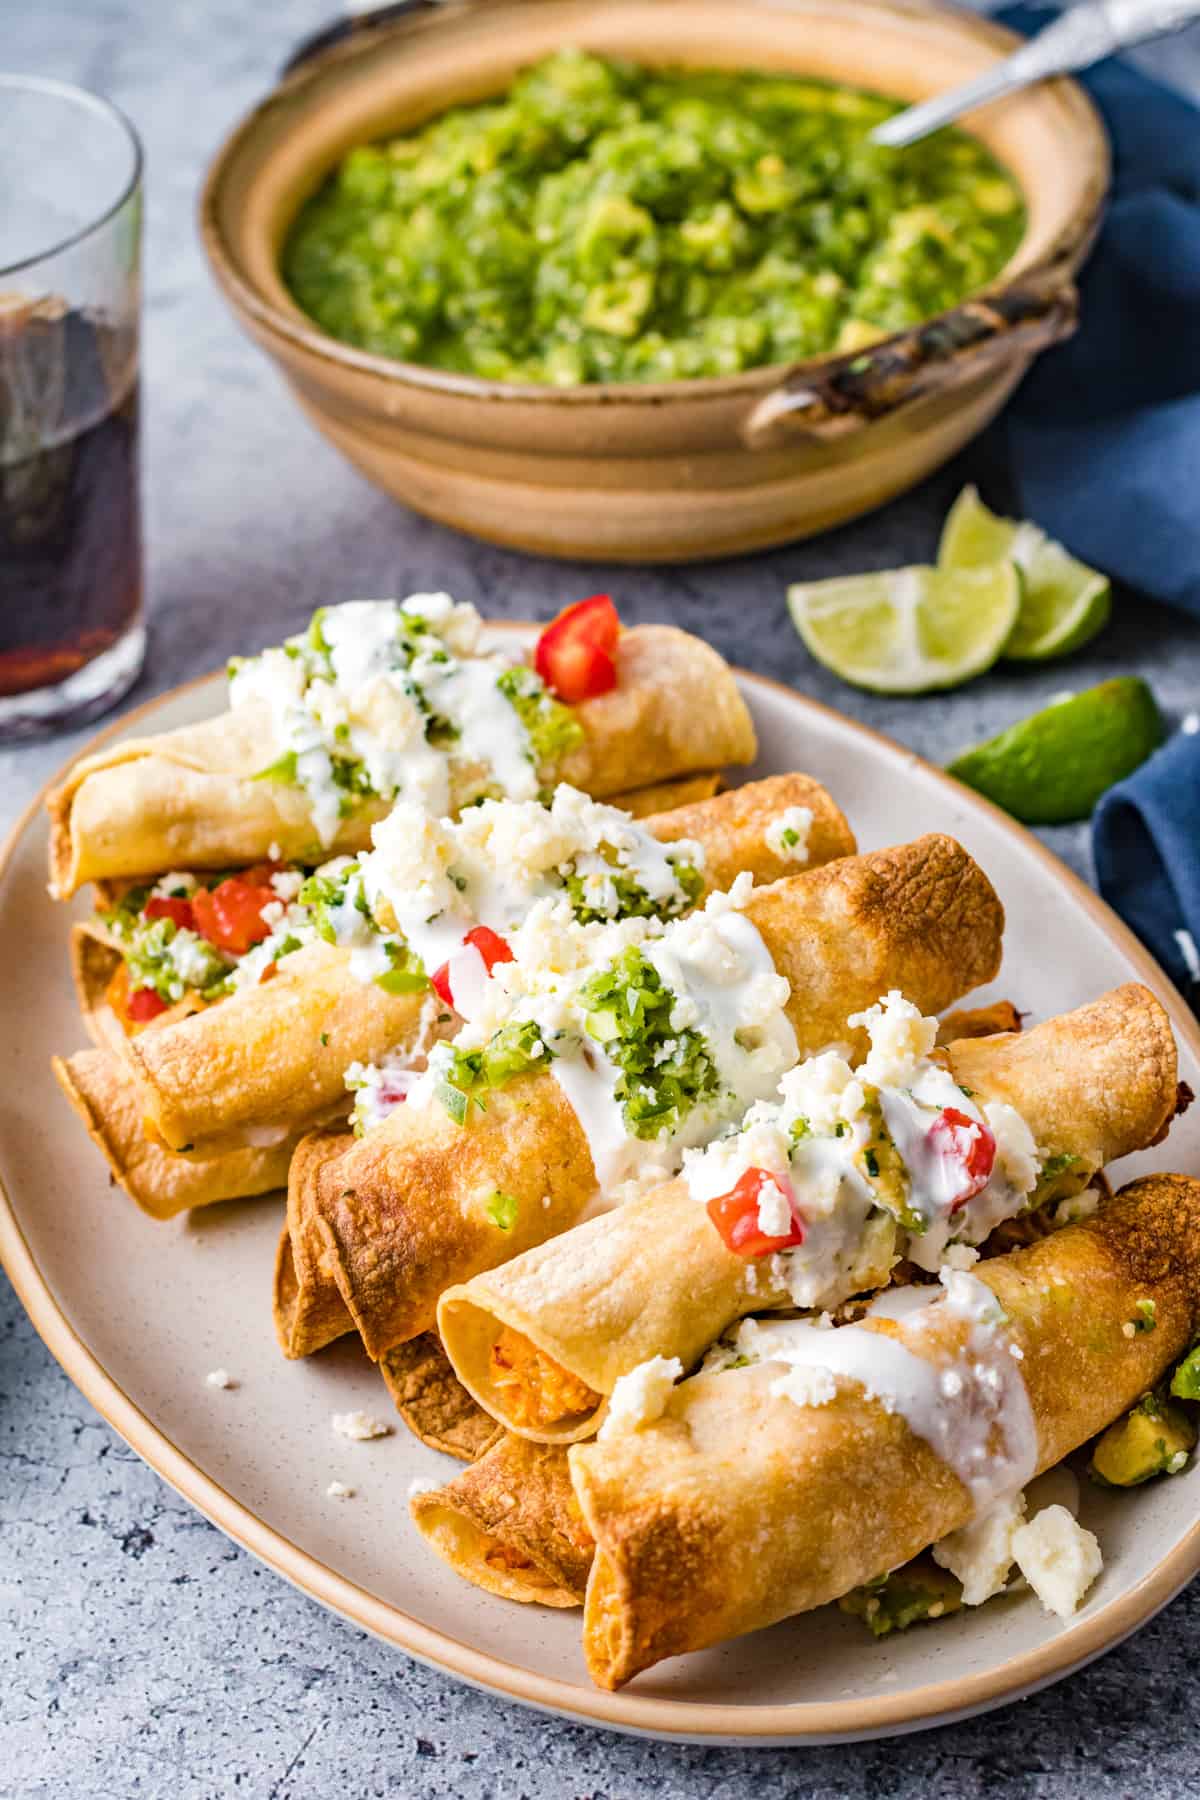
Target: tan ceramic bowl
677 470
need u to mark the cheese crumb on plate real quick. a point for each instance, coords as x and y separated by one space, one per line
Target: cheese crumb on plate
359 1426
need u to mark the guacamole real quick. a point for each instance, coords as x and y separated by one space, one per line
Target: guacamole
605 222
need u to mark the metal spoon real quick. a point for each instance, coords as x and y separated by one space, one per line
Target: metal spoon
1074 40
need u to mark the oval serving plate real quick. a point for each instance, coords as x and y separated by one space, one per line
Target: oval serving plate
137 1313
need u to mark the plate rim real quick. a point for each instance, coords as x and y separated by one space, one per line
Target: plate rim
681 1720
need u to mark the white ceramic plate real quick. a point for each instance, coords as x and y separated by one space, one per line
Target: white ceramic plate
139 1312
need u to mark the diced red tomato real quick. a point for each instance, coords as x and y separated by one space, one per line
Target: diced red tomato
735 1216
491 946
144 1004
958 1138
259 874
576 655
230 915
439 981
179 912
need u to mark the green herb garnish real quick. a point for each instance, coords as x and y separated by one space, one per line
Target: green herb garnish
618 895
502 1210
407 973
552 728
664 1073
465 1076
282 769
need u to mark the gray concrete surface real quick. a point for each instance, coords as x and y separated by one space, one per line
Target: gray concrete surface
140 1652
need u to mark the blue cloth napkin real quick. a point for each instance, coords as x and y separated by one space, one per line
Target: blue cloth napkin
1146 840
1102 443
1103 436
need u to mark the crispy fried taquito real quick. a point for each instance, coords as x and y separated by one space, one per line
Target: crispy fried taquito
542 1340
408 1214
740 1506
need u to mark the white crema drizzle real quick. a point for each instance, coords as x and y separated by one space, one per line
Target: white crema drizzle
972 1408
366 707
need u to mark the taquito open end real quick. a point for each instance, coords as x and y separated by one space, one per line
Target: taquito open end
161 1182
514 1377
511 1524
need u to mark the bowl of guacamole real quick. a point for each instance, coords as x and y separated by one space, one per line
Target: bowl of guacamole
602 221
542 267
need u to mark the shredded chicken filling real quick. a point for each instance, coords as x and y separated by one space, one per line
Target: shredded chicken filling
537 1390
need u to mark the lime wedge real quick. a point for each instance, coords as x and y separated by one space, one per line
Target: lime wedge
908 631
1064 602
1054 766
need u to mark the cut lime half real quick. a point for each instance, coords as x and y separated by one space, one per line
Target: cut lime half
1053 767
909 631
1064 603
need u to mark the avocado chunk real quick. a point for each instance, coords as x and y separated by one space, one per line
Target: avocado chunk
1185 1382
1154 1438
920 1590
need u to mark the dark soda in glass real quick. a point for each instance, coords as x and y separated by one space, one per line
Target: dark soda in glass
70 536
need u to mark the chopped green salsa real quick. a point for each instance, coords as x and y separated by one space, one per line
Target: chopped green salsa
606 222
663 1071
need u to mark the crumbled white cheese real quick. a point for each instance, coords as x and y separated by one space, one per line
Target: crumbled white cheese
823 1090
220 1378
174 884
1076 1207
456 622
774 1210
806 1386
980 1554
787 834
193 958
641 1396
287 884
337 1490
959 1256
1016 1152
760 1144
1058 1557
900 1038
359 1426
412 856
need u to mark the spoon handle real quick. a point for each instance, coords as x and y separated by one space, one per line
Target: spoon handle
1075 40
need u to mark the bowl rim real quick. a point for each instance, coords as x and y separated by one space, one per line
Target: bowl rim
294 328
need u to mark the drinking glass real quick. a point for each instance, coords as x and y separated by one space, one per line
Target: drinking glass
71 632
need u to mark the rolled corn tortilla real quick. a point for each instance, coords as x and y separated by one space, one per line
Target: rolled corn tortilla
739 1507
270 1058
160 1182
511 1524
309 1311
273 1056
409 1217
978 1021
433 1402
732 829
642 803
654 1277
188 799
